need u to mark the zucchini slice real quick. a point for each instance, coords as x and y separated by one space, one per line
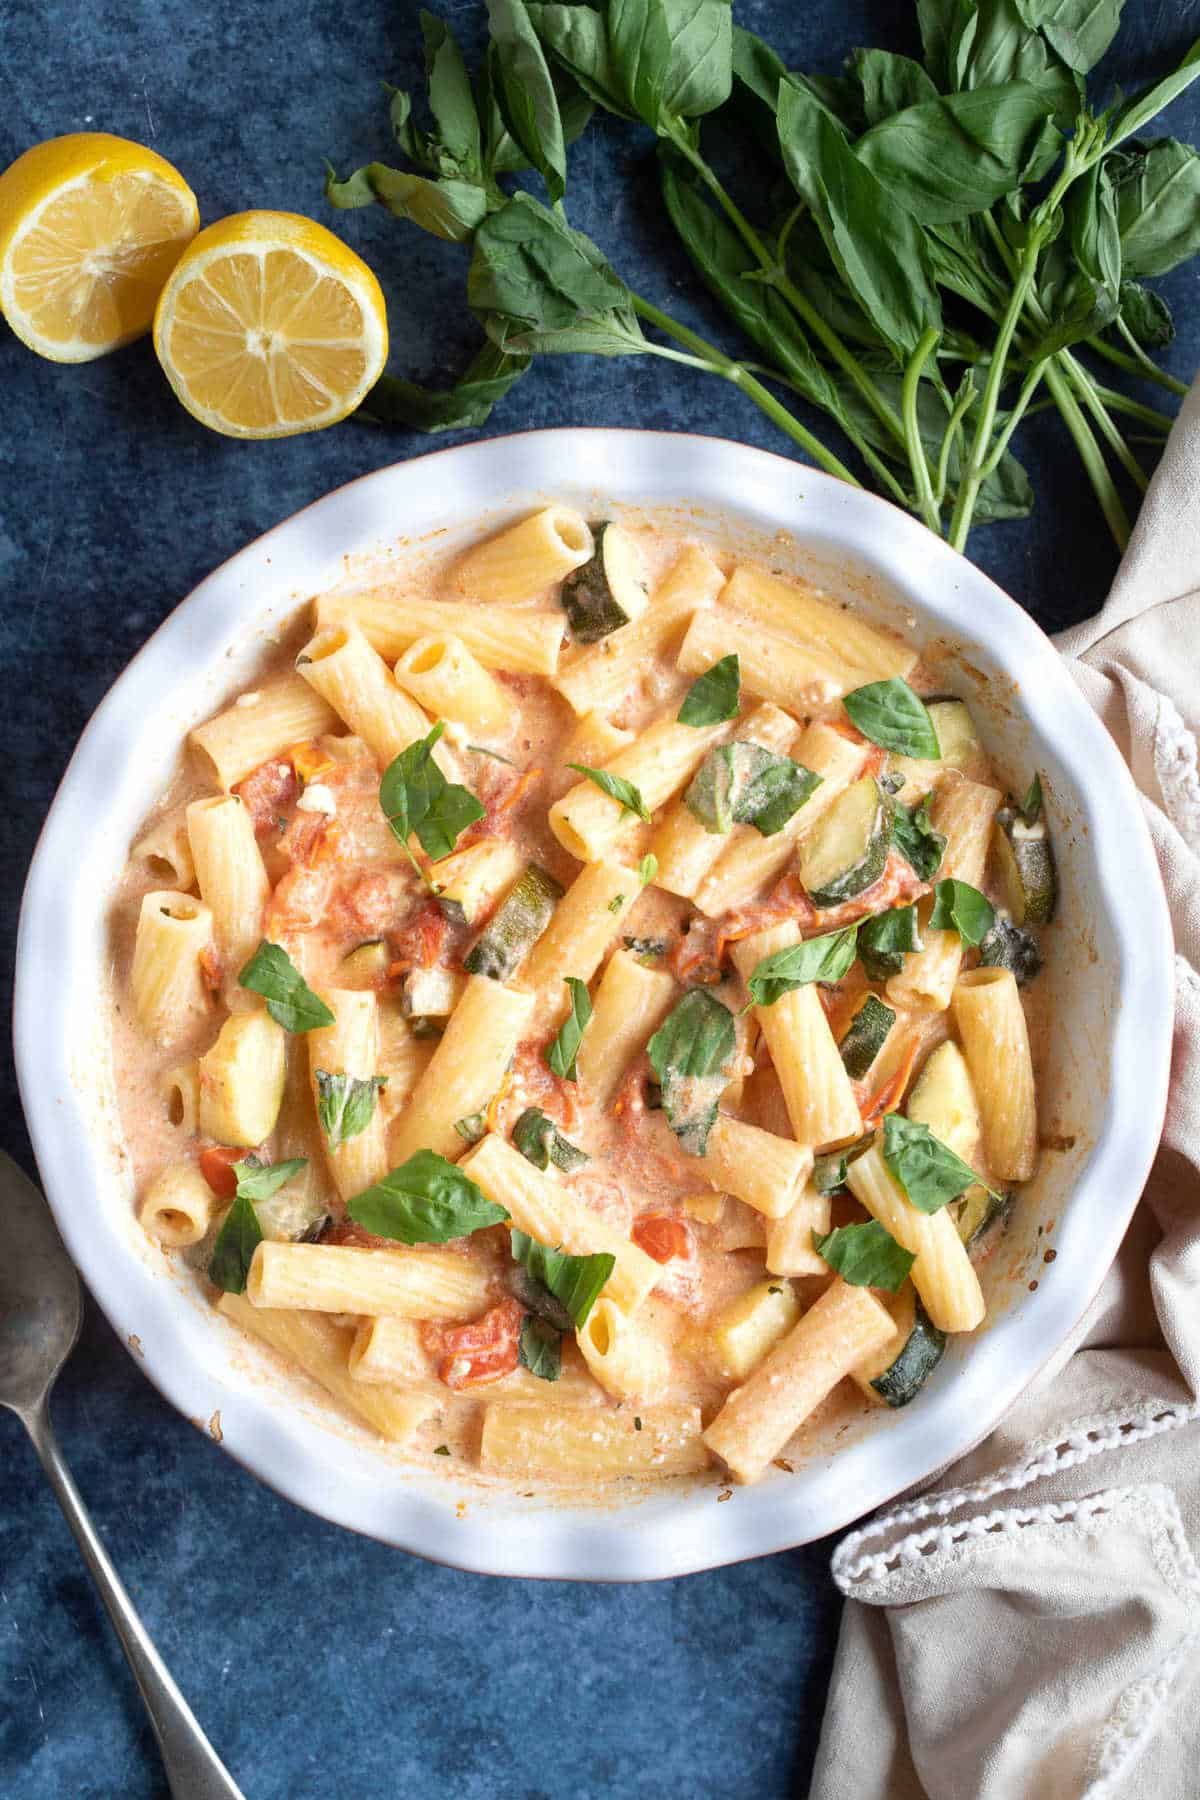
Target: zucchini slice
846 851
960 747
507 939
365 966
979 1215
1007 946
608 591
1025 862
430 993
897 1376
864 1036
296 1212
478 875
943 1098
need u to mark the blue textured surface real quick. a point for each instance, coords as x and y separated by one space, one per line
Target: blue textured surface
319 1662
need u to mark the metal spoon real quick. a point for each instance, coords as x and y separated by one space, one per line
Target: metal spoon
41 1309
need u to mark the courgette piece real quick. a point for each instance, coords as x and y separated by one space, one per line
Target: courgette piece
845 853
1025 863
943 1099
478 875
959 742
296 1212
978 1215
1008 946
422 1027
365 966
507 938
540 1142
829 1169
896 1376
608 591
430 993
865 1035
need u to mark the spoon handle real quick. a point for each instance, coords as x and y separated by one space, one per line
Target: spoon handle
193 1769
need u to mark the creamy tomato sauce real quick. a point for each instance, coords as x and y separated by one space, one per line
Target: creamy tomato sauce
339 879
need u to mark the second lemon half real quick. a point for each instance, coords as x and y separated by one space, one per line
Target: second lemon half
270 325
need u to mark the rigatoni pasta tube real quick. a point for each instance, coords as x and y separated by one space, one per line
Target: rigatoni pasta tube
342 1278
773 667
991 1021
350 1046
341 665
963 811
541 1206
684 849
582 926
177 1207
840 1328
625 1356
631 1003
523 559
321 1349
465 1070
587 822
262 724
169 993
180 1089
165 853
449 682
593 741
818 1092
750 862
579 1445
765 1171
800 611
789 1239
502 637
942 1274
241 1080
597 678
231 876
403 1058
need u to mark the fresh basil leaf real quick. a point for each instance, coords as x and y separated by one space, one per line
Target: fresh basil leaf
713 696
396 404
524 91
777 793
345 1104
648 869
865 1255
290 1001
575 1281
990 44
957 154
741 783
416 798
1147 316
1094 231
539 1348
560 1057
578 39
1030 808
829 1169
537 285
617 788
889 713
918 843
427 1200
957 906
689 1053
448 209
890 83
1079 30
886 939
540 1142
481 750
473 1127
824 958
450 97
929 1174
1157 197
233 1252
258 1181
646 946
673 57
1138 112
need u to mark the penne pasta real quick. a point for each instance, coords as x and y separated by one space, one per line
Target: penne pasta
584 923
589 824
773 667
963 811
448 681
684 849
349 1048
340 664
988 1012
630 1004
259 725
166 980
524 559
820 1099
165 853
465 1071
575 1445
790 1238
628 1359
942 1274
341 1278
501 637
177 1207
817 621
765 1171
232 879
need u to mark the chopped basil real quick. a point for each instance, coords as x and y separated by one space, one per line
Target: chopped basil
562 1053
929 1174
886 939
539 1348
617 788
918 843
472 1128
713 696
345 1104
425 1201
442 1450
957 906
540 1142
233 1252
576 1281
648 869
290 1001
537 1298
865 1255
616 903
481 750
743 784
689 1053
823 958
889 713
258 1181
829 1169
1030 808
416 797
646 946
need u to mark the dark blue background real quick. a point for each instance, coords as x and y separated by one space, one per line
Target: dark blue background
320 1663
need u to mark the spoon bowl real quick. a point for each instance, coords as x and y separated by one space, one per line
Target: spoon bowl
41 1303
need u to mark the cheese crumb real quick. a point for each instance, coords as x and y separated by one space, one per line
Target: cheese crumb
317 798
248 699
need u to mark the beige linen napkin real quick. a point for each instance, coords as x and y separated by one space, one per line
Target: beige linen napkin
1030 1630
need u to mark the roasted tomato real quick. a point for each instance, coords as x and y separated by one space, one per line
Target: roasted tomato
662 1236
480 1352
211 969
268 792
216 1166
422 938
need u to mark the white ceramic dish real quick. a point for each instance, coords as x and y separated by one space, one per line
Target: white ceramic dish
1109 987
